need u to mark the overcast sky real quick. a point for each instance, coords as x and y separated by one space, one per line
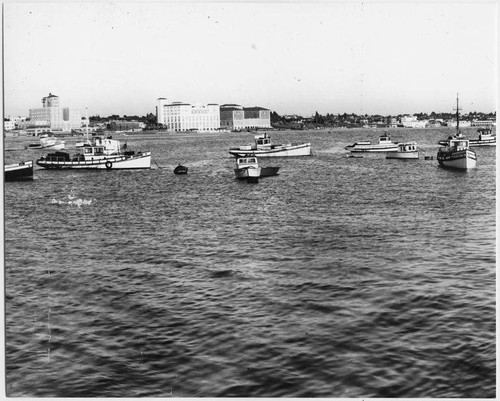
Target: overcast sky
361 57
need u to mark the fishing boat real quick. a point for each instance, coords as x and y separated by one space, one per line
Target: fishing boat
406 150
180 169
264 148
98 154
19 171
456 153
486 138
48 141
384 145
247 167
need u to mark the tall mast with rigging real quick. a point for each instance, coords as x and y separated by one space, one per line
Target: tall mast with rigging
458 123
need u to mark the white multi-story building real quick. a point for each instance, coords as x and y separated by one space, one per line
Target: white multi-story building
54 117
178 116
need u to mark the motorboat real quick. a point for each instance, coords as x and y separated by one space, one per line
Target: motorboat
180 169
22 171
263 147
406 150
486 138
456 153
98 154
48 141
384 145
247 167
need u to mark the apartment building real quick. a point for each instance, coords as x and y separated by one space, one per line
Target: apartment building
52 116
179 116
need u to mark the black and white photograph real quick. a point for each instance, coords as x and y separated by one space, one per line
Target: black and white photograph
281 199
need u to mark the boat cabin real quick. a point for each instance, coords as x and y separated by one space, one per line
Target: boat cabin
384 139
263 140
243 162
93 151
459 144
407 147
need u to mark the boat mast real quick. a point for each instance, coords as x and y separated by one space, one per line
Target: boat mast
458 123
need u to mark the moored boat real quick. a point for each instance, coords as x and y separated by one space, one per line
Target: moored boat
48 141
99 154
456 153
248 167
384 145
486 138
19 171
405 150
264 148
180 169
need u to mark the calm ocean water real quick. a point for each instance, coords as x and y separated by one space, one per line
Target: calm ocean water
340 277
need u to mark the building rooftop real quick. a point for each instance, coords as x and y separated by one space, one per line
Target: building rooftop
255 108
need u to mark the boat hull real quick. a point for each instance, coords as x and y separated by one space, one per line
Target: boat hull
247 172
19 172
181 170
484 142
462 159
121 162
372 148
273 151
269 171
402 155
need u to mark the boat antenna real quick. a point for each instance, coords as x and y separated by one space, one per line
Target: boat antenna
457 109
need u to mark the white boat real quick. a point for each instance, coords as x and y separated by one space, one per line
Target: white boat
247 167
264 148
486 138
97 155
48 142
406 150
19 171
456 154
384 145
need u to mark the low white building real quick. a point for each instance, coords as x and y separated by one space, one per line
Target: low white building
413 122
178 116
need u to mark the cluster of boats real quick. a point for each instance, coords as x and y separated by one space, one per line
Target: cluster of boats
247 166
106 153
454 153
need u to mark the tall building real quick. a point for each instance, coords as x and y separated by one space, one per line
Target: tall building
232 117
235 117
54 117
178 116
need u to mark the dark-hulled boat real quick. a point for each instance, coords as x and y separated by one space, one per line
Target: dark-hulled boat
180 169
22 171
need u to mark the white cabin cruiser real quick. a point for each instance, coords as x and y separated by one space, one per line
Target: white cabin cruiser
264 148
384 145
405 150
486 138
